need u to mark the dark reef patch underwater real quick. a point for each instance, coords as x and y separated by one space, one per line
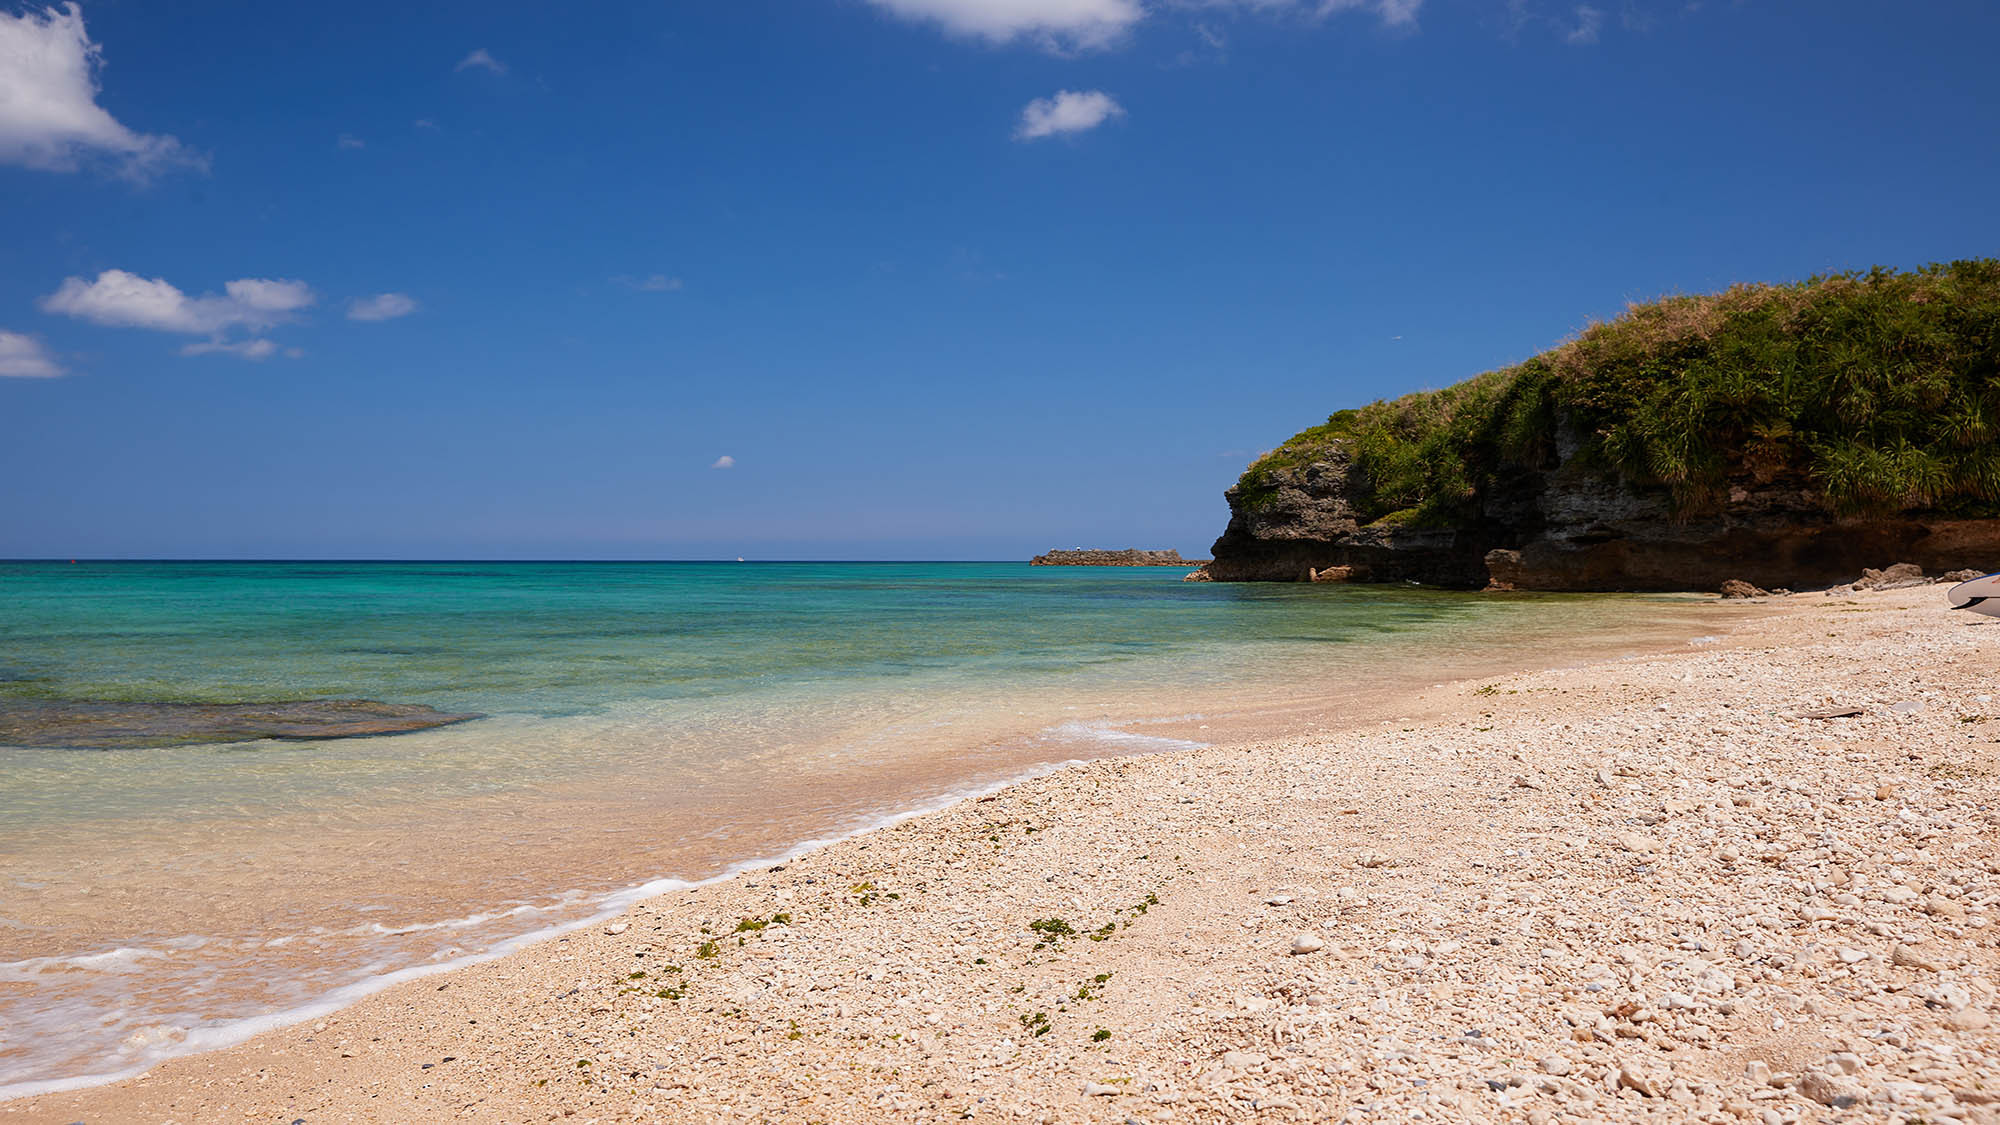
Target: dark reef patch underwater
101 725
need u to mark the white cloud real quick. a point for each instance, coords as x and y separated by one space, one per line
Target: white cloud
1071 26
426 123
265 295
49 116
482 59
651 283
1056 24
349 140
385 306
1070 111
129 301
257 349
22 356
1392 13
126 300
724 462
1588 22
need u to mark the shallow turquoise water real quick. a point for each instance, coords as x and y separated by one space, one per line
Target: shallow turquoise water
560 638
645 721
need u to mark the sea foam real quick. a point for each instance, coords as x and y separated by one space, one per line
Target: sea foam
148 1046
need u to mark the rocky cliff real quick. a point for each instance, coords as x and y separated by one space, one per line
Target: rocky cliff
1579 530
1783 435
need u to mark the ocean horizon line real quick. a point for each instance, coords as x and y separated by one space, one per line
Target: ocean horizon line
398 561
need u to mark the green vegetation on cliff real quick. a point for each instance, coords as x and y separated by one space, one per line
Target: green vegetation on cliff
1875 391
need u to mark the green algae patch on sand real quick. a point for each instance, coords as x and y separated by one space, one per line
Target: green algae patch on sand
107 725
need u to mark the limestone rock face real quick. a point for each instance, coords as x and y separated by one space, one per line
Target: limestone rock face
1308 524
1571 528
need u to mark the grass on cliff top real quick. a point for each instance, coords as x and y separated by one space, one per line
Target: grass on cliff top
1873 392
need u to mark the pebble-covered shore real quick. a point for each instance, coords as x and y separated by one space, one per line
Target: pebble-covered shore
1679 888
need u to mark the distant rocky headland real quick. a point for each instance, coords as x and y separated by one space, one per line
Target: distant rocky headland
1127 557
1779 435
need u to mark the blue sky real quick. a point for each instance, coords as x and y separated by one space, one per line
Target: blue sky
938 278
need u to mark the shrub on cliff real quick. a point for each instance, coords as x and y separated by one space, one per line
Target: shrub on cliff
1874 391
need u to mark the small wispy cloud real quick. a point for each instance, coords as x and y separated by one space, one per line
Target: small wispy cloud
1061 26
257 349
724 462
1578 25
1589 22
49 116
651 283
383 306
1069 112
480 59
1392 13
23 357
350 141
1213 46
425 123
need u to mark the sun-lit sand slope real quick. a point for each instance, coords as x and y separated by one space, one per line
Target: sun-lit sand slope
1647 889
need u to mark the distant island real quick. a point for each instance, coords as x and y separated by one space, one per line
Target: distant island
1785 435
1126 557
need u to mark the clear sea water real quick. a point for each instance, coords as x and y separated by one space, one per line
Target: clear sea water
646 723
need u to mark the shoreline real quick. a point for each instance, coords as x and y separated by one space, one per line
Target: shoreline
257 922
608 907
883 933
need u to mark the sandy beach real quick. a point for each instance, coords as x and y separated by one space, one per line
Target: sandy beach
1751 880
1044 562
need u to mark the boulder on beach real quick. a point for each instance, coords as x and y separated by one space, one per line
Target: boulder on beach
1890 578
